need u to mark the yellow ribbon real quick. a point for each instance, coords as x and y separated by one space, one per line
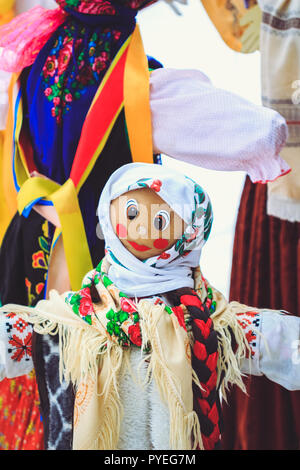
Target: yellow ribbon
65 201
137 101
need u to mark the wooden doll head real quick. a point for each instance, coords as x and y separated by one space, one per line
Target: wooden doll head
145 223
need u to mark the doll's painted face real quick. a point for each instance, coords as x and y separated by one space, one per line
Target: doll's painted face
145 223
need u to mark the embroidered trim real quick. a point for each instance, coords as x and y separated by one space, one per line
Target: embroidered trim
250 322
19 344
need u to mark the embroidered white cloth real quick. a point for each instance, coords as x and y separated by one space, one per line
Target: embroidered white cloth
15 346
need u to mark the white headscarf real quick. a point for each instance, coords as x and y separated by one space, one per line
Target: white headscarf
173 269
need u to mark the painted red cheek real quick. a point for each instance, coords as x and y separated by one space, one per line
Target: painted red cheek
161 243
121 231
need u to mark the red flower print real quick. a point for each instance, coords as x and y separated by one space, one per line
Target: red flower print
193 235
117 35
100 62
21 347
134 332
94 9
85 307
86 304
50 66
48 91
69 98
85 293
39 287
127 305
64 57
135 4
38 260
164 255
156 185
178 311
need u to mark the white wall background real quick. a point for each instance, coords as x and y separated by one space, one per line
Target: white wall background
191 41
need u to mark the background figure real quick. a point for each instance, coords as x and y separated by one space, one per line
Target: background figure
266 257
21 426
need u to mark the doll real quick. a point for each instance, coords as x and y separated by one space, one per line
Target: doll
148 344
57 93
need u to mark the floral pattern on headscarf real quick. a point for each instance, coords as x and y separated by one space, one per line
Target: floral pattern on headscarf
189 239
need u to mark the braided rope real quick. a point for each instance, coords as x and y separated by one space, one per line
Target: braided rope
204 363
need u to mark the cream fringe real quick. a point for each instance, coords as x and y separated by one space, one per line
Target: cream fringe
229 364
95 348
108 432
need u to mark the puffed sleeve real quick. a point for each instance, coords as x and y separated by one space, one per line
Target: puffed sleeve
206 126
15 346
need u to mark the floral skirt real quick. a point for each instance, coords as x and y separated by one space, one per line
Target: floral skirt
23 268
21 426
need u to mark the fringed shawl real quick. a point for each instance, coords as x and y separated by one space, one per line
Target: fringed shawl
95 342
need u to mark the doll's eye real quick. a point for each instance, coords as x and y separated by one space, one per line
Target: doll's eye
161 220
132 209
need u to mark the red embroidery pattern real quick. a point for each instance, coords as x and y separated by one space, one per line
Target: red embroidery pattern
20 339
249 321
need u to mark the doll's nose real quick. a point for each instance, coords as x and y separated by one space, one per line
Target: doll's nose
141 230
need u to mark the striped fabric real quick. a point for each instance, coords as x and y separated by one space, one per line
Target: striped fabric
280 64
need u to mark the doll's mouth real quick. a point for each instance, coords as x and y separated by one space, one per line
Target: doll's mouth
138 247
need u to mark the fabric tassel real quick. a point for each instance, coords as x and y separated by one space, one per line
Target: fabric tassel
109 429
229 362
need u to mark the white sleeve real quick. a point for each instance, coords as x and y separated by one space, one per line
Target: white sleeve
197 123
15 346
276 354
280 352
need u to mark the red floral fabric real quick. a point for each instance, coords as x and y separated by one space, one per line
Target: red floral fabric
21 427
